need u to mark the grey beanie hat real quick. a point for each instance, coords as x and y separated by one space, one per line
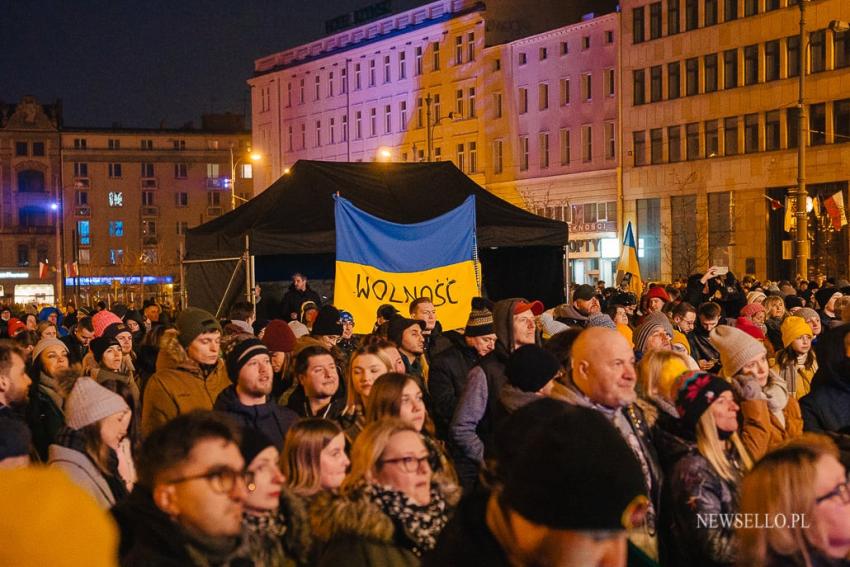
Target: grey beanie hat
45 343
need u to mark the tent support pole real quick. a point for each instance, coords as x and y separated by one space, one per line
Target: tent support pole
249 272
567 274
229 285
211 260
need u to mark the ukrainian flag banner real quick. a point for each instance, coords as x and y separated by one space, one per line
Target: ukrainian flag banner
628 270
380 262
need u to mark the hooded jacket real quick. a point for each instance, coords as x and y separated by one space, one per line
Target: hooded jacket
46 312
179 385
827 407
273 420
447 377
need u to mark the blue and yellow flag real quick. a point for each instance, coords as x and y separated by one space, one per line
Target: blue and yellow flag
380 262
628 270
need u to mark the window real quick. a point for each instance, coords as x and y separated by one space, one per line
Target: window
357 82
710 72
148 228
730 136
565 48
673 16
674 144
523 100
148 198
585 42
692 77
213 199
586 143
543 141
388 119
459 102
402 112
289 138
655 84
330 84
470 46
637 25
730 69
331 131
497 105
751 133
81 169
373 121
523 153
179 144
656 145
79 143
841 48
38 149
84 233
692 141
771 5
372 72
116 256
419 112
23 255
147 169
146 144
344 127
817 124
21 148
522 58
691 14
710 13
358 125
792 123
610 141
343 83
712 138
674 81
608 77
181 199
436 114
81 197
751 64
318 133
542 96
565 92
609 37
586 90
497 65
655 20
639 143
771 60
113 144
639 82
435 56
181 170
386 69
471 102
288 94
301 92
771 130
417 65
792 46
498 156
116 199
402 65
841 121
473 157
818 50
115 170
730 10
751 7
213 170
565 146
458 50
542 54
246 170
116 228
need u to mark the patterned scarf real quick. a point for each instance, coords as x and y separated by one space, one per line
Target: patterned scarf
421 524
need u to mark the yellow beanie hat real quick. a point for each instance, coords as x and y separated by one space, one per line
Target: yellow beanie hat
666 381
793 328
43 502
626 331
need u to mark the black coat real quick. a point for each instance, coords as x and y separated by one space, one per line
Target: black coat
447 377
273 420
294 299
76 350
827 406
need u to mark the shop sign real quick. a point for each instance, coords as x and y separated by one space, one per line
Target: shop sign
14 275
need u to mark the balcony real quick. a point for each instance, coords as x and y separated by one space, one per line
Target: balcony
213 211
149 183
150 211
82 211
82 183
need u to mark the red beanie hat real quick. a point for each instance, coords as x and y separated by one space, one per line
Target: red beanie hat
750 328
659 292
278 336
102 319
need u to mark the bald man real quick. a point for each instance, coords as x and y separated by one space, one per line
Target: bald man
603 378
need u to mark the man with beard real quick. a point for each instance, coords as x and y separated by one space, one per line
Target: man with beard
247 400
78 341
14 382
318 381
298 294
708 315
408 336
585 303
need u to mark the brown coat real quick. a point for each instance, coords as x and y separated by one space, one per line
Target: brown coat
178 386
762 431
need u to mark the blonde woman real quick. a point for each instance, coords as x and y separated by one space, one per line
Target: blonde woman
390 510
314 458
774 307
803 480
657 373
703 459
366 365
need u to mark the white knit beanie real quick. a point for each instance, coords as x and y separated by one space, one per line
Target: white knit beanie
47 342
736 348
89 402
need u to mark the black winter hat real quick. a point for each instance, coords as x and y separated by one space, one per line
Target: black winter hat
115 329
135 315
793 301
241 353
99 346
579 448
695 391
397 326
327 321
253 443
584 292
531 367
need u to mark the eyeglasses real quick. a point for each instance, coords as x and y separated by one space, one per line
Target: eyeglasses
842 491
408 464
221 479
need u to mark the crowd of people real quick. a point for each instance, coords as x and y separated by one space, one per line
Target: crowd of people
704 423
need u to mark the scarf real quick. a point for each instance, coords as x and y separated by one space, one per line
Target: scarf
267 523
421 524
50 387
72 439
206 551
264 535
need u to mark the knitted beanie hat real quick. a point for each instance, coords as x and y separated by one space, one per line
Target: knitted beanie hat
793 302
756 297
659 292
115 329
14 326
480 320
750 328
793 328
253 443
241 353
89 402
100 345
696 391
531 367
736 348
327 321
807 313
193 322
398 325
650 323
346 317
601 320
823 295
751 310
45 343
102 319
279 336
667 376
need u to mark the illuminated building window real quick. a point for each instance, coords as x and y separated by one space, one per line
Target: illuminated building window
116 228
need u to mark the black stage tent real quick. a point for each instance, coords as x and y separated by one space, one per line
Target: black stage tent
290 227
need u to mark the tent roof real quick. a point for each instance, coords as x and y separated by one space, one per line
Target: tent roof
295 215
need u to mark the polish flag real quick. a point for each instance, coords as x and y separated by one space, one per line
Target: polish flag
43 270
835 209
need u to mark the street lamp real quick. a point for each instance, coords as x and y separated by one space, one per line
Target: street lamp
801 248
429 128
252 156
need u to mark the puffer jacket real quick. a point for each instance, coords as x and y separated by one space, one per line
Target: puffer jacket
179 385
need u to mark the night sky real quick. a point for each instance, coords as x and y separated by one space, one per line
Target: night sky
143 64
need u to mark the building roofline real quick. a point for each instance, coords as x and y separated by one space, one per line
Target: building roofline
569 28
122 130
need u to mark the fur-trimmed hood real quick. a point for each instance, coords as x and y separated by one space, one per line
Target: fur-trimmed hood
173 355
332 516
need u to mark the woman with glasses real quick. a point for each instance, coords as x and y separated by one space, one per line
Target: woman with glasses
803 490
275 521
314 458
391 509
